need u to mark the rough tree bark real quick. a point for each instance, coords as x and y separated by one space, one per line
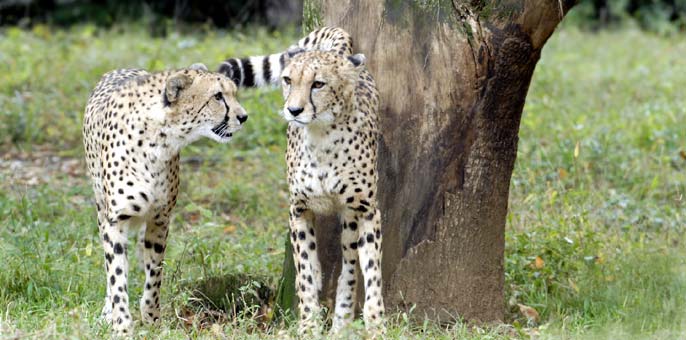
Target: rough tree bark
453 76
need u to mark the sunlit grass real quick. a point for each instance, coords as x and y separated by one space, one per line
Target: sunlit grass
597 192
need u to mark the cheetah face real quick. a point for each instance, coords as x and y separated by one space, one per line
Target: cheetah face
203 104
318 86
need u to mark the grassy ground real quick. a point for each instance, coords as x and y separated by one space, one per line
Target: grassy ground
597 207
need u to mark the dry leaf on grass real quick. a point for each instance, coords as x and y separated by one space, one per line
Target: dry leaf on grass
529 312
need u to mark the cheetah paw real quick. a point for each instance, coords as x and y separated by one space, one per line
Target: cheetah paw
123 327
150 316
106 314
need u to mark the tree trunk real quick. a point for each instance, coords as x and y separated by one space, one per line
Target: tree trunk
453 77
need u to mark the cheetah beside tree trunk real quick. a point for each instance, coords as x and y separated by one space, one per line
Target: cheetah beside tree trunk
134 127
331 106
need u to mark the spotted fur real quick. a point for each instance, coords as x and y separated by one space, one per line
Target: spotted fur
134 127
331 105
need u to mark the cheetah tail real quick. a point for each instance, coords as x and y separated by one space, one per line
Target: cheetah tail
266 70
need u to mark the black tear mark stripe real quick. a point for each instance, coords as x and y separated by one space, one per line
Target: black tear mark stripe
314 108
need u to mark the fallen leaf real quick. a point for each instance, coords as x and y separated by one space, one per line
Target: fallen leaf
230 229
562 173
193 217
539 263
682 153
529 312
576 150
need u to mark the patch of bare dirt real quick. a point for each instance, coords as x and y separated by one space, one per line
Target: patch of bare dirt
41 165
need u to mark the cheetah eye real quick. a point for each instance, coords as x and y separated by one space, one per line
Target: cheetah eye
318 84
287 80
218 96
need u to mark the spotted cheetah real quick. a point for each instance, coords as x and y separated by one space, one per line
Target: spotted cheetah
134 127
331 105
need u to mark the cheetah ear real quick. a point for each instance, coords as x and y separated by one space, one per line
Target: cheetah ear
198 66
175 84
357 59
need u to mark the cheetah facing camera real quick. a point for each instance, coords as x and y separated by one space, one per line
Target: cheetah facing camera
134 127
331 105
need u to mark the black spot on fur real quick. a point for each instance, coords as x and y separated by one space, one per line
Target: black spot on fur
118 249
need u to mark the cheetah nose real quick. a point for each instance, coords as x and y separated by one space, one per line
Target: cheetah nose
295 110
242 119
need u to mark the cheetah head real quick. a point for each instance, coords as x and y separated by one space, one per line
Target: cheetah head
203 104
318 86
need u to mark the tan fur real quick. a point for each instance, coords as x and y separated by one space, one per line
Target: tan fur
331 160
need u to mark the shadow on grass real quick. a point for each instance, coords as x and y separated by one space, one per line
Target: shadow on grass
228 298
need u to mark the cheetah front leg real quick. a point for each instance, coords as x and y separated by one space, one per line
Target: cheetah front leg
308 274
345 289
106 313
114 241
369 252
154 246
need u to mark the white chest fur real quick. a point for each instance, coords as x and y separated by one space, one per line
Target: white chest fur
317 173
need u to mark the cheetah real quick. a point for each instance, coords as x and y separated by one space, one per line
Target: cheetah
135 124
331 105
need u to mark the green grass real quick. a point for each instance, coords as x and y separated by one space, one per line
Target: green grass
605 220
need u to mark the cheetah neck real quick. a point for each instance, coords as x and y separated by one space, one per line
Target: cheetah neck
321 140
156 136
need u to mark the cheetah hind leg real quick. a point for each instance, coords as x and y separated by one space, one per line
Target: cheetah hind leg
153 249
369 253
106 313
